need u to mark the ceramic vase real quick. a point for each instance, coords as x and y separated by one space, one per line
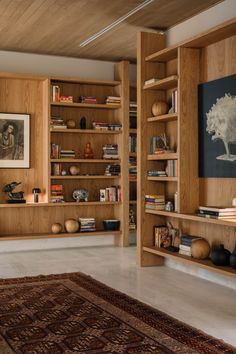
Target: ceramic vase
220 256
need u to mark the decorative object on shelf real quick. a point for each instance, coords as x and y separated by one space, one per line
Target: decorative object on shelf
14 140
71 225
68 99
14 197
63 173
132 223
111 224
81 195
175 236
217 128
159 108
220 256
70 124
176 201
36 192
82 122
232 259
88 151
162 238
200 249
169 206
74 170
56 228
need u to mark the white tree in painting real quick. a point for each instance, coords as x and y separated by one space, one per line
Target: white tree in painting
221 122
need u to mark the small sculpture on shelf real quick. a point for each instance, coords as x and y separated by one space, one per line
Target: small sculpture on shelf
81 195
83 122
74 170
14 197
71 225
88 151
159 108
71 124
36 192
56 228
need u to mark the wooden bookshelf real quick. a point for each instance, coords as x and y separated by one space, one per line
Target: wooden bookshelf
85 177
203 58
85 131
85 105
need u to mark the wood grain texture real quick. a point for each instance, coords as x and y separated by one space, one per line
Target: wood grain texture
65 24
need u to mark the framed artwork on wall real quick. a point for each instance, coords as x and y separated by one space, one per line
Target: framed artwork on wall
14 140
217 128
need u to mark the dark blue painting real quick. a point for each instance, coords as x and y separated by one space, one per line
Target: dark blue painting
217 128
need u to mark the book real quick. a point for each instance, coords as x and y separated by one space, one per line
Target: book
218 208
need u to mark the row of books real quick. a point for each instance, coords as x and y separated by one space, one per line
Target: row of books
111 194
88 99
112 170
172 168
113 100
107 126
56 195
132 143
87 224
133 173
156 173
110 151
154 202
215 212
186 243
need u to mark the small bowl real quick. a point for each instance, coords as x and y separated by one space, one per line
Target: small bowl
111 224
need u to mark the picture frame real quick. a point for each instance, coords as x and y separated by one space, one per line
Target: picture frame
14 140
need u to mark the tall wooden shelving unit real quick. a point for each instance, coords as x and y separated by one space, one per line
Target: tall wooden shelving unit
203 58
35 220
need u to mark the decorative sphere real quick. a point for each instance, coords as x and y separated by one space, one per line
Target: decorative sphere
56 228
200 249
159 108
70 124
71 225
74 170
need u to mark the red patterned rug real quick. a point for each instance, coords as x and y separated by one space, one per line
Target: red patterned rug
73 313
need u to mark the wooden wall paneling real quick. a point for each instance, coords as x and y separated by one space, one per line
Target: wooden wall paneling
188 69
147 43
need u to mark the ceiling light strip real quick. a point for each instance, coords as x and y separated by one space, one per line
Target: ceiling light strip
115 23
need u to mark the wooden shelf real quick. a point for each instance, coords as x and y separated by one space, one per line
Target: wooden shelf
63 204
85 105
133 131
84 177
85 160
61 235
171 156
192 217
163 84
164 118
205 264
163 179
58 79
86 131
163 55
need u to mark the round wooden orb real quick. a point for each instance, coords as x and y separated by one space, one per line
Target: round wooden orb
200 249
74 170
71 225
56 228
159 108
70 124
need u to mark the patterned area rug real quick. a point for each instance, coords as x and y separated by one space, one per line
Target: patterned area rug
73 313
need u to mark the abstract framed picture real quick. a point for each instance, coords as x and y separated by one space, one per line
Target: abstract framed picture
217 128
14 140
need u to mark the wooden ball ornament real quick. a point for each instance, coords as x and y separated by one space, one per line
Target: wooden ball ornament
74 170
200 249
71 225
56 228
159 108
70 124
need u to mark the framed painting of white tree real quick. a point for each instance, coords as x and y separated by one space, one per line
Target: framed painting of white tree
217 128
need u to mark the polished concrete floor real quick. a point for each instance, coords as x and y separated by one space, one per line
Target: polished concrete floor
200 303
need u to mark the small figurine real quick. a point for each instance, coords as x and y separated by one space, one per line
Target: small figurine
88 151
36 192
14 197
81 195
83 122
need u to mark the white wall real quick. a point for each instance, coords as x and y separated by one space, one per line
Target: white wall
212 17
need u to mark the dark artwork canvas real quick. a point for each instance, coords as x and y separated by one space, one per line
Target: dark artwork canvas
217 128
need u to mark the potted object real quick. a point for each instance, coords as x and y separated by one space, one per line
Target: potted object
36 192
233 259
220 256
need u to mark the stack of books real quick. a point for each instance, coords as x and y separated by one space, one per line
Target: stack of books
107 126
57 122
87 224
133 173
112 170
186 243
110 151
111 194
55 151
56 169
156 173
216 212
132 143
67 99
55 93
172 168
67 154
56 193
155 202
88 99
133 115
113 100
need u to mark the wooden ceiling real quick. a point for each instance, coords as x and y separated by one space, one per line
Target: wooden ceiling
57 27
